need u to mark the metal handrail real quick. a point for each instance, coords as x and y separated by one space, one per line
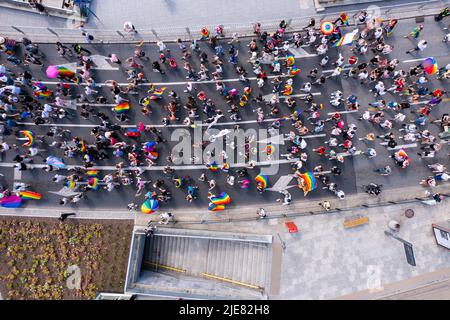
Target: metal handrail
309 213
185 33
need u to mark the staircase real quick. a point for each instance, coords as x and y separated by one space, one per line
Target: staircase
242 262
202 264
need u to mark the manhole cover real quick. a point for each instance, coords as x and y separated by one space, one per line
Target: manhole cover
409 213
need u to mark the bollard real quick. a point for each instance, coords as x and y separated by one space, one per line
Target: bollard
15 28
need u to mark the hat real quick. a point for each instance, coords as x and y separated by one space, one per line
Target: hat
2 40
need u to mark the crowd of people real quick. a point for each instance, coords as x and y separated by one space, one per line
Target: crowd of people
396 91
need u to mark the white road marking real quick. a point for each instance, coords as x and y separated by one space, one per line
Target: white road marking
170 83
80 125
160 168
17 174
280 139
413 60
282 183
403 146
269 96
329 71
304 4
348 154
342 112
101 63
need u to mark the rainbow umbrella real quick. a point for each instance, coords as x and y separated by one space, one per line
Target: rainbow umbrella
93 183
222 199
288 90
270 149
11 202
150 206
307 182
290 60
327 28
430 65
30 136
122 107
30 195
294 71
262 179
213 167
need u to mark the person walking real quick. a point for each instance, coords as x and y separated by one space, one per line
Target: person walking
421 46
64 216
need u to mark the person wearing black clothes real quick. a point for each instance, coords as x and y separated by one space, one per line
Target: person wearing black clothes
78 49
64 216
157 67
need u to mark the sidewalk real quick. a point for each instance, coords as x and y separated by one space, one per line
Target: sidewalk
55 8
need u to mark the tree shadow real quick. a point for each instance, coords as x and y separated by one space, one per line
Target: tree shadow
171 5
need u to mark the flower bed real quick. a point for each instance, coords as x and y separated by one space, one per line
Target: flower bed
53 260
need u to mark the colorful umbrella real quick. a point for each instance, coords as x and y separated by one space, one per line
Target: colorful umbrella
150 206
11 202
263 180
294 71
306 181
327 28
93 183
290 60
30 136
430 65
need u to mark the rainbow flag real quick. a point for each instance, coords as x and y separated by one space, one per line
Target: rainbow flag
307 182
339 42
222 199
225 167
30 135
63 71
122 107
345 20
83 146
262 178
92 173
30 195
43 94
157 94
213 207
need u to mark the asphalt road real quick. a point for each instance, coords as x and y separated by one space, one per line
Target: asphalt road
357 170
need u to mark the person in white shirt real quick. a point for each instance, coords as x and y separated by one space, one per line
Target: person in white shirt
420 46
